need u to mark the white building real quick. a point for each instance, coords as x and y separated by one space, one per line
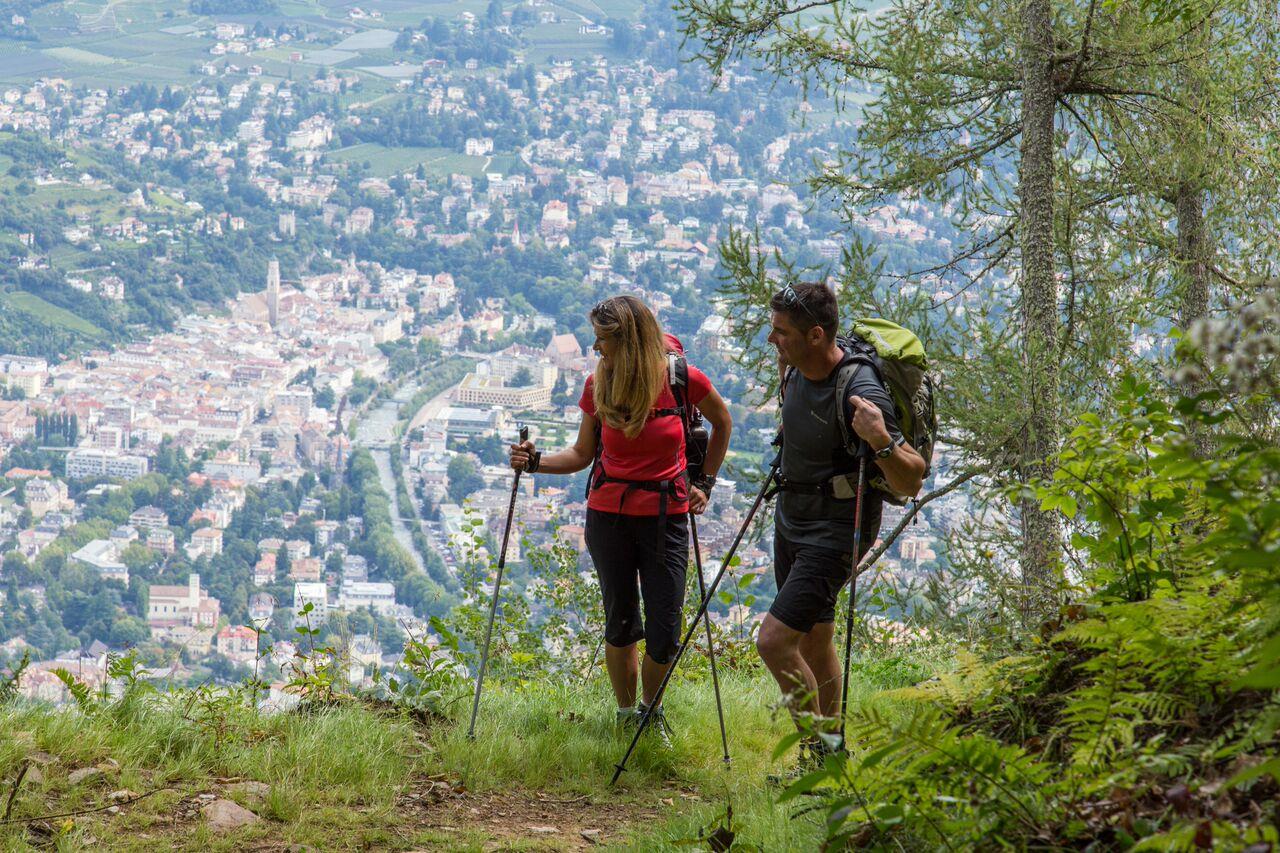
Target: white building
380 596
231 467
315 594
43 496
478 147
24 372
238 642
205 542
297 549
480 390
104 556
149 518
84 462
463 421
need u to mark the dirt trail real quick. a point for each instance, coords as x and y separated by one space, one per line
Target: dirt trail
522 818
429 813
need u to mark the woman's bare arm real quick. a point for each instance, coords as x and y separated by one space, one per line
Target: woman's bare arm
568 461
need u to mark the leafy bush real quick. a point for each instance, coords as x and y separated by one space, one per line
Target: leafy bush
1146 715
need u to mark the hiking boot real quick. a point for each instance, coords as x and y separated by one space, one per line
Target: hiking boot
825 745
626 719
657 727
813 756
805 763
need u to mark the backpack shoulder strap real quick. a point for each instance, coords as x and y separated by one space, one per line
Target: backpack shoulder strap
854 361
677 370
678 379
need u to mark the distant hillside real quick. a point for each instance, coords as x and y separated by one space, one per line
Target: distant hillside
233 7
13 14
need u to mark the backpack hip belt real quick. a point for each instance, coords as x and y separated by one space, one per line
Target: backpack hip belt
664 488
841 487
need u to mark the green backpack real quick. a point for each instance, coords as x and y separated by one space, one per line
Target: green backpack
900 364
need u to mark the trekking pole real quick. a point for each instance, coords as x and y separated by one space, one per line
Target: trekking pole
693 626
592 664
497 585
853 589
711 646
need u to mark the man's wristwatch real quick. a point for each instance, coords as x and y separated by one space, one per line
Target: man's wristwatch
887 451
535 460
705 483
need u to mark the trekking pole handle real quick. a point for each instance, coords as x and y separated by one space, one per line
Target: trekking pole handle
530 462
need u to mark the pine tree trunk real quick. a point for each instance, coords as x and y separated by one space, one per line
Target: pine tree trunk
1192 253
1193 263
1040 529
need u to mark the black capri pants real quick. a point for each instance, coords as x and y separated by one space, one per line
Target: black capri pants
624 549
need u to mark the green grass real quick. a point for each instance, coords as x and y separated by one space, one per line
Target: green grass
31 304
393 161
558 738
618 8
562 740
338 776
142 45
66 256
333 774
79 56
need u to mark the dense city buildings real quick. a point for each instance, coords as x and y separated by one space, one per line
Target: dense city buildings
297 266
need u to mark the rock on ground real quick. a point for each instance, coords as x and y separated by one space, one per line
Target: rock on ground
84 774
224 815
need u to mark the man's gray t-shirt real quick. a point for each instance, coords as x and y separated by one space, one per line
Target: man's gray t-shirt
812 453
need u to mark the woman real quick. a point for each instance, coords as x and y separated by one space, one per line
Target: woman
637 528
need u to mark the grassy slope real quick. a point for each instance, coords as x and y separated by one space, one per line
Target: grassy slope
30 303
354 776
565 743
333 772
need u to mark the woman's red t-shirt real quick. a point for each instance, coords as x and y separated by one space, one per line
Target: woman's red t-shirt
657 453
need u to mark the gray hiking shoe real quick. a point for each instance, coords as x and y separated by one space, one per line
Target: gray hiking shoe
658 729
626 719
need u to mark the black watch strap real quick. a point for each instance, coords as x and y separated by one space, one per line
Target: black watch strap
887 451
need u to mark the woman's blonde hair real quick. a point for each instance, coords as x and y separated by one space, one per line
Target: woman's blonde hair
627 384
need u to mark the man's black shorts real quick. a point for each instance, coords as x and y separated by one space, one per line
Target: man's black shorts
809 581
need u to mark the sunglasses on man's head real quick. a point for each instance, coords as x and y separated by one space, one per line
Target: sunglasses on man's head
790 296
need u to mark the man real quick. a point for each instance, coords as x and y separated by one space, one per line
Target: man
813 529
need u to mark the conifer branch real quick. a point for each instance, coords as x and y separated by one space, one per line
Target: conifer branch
879 550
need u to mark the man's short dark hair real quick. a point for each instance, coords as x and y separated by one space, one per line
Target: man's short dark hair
808 304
